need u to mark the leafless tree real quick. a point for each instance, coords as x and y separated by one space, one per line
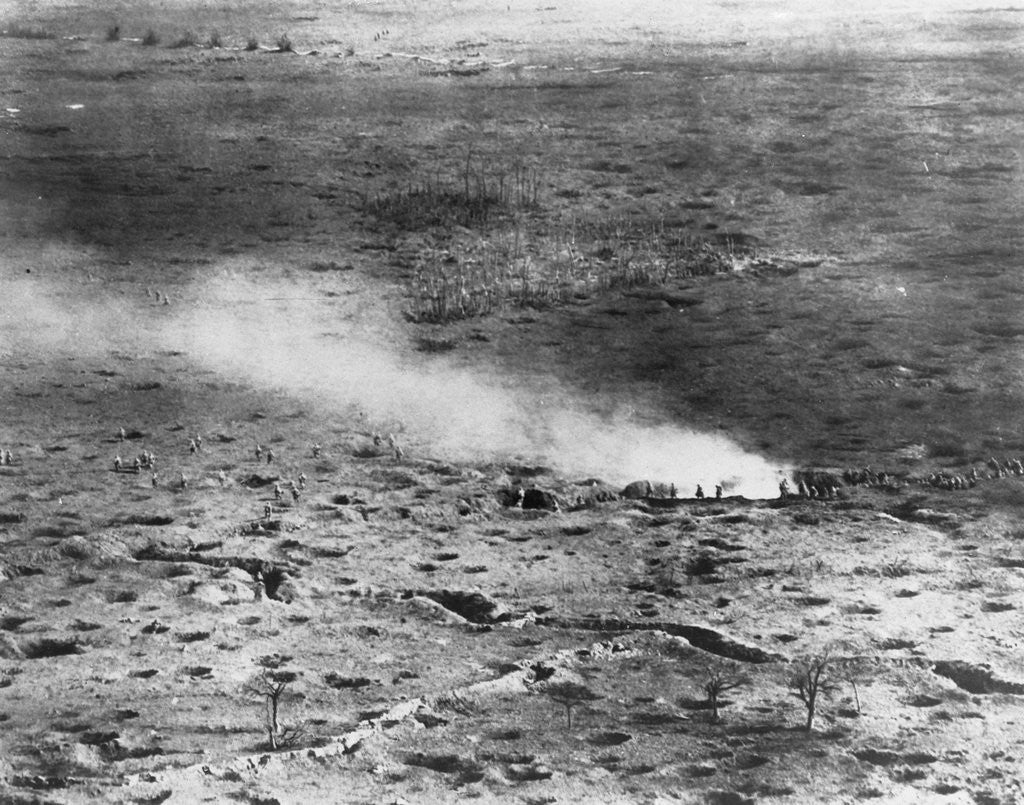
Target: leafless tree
719 680
271 686
811 682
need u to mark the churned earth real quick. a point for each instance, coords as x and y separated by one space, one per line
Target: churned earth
728 243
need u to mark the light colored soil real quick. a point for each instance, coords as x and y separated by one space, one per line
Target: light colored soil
870 155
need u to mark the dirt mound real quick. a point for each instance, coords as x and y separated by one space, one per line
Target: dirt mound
473 606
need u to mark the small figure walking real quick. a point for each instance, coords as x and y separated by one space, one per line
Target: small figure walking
117 463
123 434
199 442
270 456
137 465
8 458
259 453
700 492
192 447
784 489
153 480
183 481
672 491
302 480
718 491
295 495
277 491
316 450
268 511
222 477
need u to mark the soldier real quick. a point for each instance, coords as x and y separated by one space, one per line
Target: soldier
137 465
199 442
801 489
259 587
153 480
295 495
117 463
302 480
8 458
268 511
784 489
316 450
399 452
222 477
152 461
192 446
699 493
520 497
278 492
182 480
270 455
718 491
672 491
259 453
376 439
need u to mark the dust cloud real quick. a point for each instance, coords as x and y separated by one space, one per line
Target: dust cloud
351 360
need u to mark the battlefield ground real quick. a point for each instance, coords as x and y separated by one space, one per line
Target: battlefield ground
463 271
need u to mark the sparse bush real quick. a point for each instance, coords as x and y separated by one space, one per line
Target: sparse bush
810 683
570 695
897 569
252 44
151 39
284 44
214 41
186 40
515 268
114 33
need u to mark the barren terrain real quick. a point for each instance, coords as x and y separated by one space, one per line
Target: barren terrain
404 296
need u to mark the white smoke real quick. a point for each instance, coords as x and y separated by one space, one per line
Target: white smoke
342 357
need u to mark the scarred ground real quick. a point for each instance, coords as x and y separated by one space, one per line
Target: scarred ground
865 161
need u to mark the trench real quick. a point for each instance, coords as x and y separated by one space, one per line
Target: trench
274 573
479 609
700 637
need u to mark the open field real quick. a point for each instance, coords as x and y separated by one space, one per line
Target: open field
552 251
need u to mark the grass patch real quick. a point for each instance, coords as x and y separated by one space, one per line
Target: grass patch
151 39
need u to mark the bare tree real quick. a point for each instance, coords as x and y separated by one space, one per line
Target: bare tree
569 695
719 680
271 686
810 683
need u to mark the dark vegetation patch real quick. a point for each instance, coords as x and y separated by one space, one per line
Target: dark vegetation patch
977 679
52 647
